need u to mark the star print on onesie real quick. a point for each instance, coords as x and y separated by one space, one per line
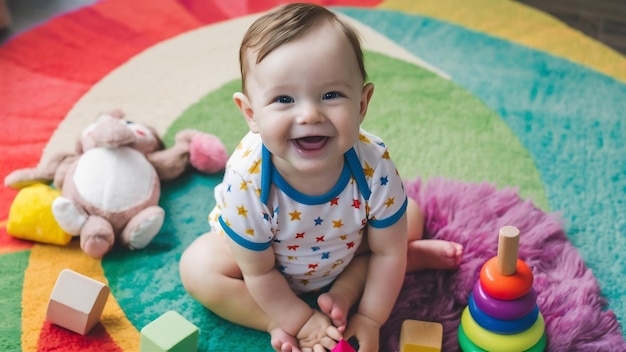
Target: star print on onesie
313 237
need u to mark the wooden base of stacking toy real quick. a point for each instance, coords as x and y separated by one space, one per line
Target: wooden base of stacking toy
170 332
421 336
76 302
502 312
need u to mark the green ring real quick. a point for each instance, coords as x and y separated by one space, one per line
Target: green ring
468 346
504 343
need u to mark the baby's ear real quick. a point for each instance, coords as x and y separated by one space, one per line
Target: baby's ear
366 97
243 103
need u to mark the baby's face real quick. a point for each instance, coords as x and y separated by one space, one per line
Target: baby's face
308 100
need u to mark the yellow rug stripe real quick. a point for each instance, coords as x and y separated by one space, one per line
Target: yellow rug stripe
46 262
520 24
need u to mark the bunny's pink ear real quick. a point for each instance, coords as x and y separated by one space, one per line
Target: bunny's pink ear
207 153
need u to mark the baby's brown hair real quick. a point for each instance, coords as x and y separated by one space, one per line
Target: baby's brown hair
287 23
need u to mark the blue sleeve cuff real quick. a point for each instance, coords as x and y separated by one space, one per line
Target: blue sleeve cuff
382 223
255 246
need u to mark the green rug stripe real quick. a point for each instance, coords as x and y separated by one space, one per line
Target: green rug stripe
12 268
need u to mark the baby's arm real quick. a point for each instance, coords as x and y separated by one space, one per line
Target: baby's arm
384 280
270 290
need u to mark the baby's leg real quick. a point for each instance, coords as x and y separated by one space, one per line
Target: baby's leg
210 274
345 291
425 254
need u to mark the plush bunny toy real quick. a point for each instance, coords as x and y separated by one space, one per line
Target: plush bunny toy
111 185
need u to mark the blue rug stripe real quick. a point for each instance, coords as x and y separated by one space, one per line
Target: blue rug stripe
568 116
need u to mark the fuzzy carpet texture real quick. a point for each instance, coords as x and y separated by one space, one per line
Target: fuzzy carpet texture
495 113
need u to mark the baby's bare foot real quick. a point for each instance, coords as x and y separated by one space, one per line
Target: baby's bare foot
433 254
335 306
282 341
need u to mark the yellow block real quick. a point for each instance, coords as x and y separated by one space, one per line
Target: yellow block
421 336
30 216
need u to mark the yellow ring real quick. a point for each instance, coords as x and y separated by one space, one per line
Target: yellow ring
490 341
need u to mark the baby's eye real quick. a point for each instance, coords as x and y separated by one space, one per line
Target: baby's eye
283 99
332 95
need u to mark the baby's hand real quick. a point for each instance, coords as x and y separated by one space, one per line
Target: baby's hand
318 334
366 332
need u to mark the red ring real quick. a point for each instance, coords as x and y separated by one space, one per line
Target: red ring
506 287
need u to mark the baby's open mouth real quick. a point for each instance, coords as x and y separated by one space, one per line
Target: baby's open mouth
311 142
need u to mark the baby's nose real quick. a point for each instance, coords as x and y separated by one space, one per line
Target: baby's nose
310 113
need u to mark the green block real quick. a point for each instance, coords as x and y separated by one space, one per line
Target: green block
170 332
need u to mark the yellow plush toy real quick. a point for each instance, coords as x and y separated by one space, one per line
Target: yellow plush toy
31 218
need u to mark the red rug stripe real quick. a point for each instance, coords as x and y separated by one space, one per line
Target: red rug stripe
206 11
115 26
161 20
210 11
10 244
33 104
57 339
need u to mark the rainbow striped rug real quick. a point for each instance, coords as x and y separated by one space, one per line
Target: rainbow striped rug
492 111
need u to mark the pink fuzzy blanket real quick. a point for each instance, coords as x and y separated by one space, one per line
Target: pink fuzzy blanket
568 295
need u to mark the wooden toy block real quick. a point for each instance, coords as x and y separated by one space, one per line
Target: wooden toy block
170 332
421 336
76 302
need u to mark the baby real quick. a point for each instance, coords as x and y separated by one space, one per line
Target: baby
309 201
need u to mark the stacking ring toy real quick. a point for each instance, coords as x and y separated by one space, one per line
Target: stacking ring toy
503 343
505 310
505 327
468 346
506 287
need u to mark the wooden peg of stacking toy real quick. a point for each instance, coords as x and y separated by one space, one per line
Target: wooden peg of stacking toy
76 302
421 336
505 276
508 244
170 332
